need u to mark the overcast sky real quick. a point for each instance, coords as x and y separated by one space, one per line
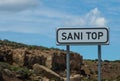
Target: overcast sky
35 21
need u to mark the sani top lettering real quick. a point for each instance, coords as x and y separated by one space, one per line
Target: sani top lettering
82 36
79 35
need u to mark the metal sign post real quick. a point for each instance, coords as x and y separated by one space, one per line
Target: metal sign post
68 62
99 62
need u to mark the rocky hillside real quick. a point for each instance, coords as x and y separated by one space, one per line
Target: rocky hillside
29 63
20 62
110 70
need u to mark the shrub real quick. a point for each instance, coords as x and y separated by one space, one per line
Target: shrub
23 72
4 65
118 78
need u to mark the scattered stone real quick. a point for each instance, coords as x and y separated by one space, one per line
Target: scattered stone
39 69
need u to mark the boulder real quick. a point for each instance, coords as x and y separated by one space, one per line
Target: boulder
59 62
31 59
18 56
75 62
40 69
76 77
7 75
6 55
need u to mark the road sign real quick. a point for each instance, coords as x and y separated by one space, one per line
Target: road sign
94 36
69 36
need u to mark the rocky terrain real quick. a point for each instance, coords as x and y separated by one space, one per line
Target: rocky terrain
20 62
110 70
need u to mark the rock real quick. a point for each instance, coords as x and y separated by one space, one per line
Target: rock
8 73
18 56
6 55
39 69
30 60
1 76
36 78
75 62
48 62
76 77
46 79
59 62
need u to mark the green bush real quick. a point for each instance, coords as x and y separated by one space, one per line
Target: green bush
4 65
23 72
118 78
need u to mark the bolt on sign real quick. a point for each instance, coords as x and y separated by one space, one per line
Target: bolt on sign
69 36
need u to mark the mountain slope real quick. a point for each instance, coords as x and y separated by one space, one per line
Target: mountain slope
21 55
21 62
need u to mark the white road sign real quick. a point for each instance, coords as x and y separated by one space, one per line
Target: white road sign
68 36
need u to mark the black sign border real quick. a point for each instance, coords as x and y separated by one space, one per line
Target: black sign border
82 43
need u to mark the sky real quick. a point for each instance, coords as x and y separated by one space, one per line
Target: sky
34 22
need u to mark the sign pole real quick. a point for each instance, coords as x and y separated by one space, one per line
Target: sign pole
68 62
99 62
